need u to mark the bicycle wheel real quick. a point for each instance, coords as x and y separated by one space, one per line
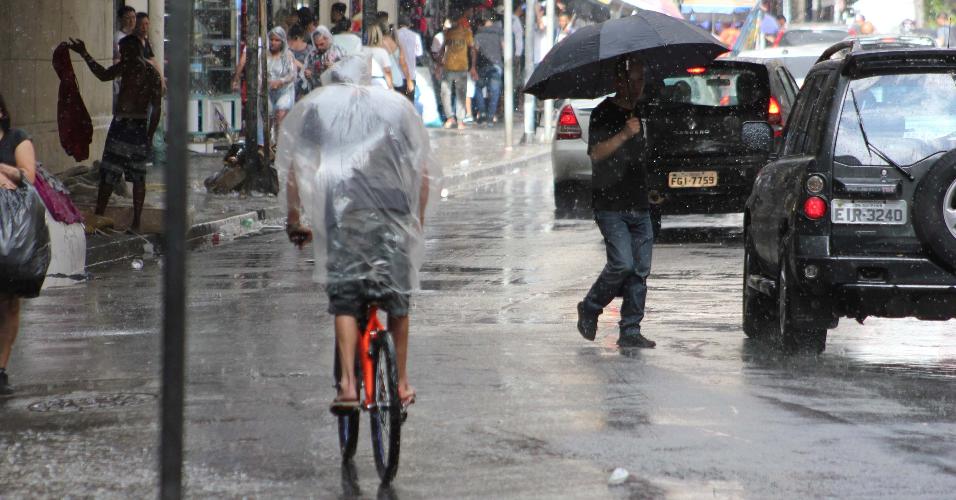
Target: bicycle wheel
348 424
386 417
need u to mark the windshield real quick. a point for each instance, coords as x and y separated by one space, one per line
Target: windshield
799 66
794 38
908 117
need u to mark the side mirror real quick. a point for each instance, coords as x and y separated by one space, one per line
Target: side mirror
757 136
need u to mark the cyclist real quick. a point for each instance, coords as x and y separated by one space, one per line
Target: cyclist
356 161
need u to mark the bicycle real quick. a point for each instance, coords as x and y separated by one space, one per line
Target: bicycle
375 367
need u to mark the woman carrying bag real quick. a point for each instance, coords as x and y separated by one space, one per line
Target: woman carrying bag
24 238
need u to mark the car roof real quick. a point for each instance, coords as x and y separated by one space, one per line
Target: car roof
817 27
814 49
876 60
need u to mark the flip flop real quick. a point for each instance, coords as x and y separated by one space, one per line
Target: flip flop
342 407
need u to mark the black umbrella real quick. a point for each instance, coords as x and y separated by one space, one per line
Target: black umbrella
582 65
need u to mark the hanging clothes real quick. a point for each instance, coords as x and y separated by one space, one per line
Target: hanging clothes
73 120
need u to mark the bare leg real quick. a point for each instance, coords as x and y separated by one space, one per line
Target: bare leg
346 336
399 328
280 115
139 195
103 197
9 326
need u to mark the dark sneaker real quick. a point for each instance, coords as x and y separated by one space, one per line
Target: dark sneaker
587 322
5 389
635 340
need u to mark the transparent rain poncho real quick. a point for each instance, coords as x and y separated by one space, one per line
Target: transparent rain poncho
360 158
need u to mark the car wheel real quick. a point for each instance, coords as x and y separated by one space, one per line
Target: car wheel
759 311
791 304
934 210
566 195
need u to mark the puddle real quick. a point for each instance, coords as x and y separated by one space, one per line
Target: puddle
92 402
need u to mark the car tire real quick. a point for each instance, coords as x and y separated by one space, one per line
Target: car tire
934 210
759 310
567 195
791 304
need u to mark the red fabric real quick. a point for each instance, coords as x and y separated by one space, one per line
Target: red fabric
57 202
73 120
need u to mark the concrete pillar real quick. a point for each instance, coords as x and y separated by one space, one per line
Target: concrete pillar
509 50
157 31
530 24
30 86
548 118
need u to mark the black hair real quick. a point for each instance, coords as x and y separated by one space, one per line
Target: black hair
5 120
297 32
305 16
339 6
404 20
123 10
781 17
128 43
140 16
381 16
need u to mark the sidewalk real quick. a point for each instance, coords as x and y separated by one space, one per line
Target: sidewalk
463 155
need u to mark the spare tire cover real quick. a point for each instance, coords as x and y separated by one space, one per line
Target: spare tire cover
934 210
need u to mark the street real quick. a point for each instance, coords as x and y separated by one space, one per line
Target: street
512 401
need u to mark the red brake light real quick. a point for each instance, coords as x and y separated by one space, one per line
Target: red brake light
815 207
774 108
774 118
568 126
697 70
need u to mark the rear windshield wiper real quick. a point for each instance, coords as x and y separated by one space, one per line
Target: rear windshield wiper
873 149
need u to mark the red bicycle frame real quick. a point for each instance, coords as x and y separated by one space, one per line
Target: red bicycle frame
372 327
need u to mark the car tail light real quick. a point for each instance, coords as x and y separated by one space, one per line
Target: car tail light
815 208
774 117
568 126
697 70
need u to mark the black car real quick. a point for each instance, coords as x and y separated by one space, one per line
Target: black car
857 215
697 161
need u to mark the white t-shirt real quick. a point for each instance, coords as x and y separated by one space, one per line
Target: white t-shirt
541 45
411 43
379 61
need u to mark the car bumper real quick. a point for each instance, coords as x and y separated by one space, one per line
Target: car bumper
885 287
570 161
734 183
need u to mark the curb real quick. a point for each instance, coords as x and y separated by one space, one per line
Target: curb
104 250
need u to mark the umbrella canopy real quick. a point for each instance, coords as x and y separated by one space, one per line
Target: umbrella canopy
582 65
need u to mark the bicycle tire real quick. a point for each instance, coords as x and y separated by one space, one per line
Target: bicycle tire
386 417
348 425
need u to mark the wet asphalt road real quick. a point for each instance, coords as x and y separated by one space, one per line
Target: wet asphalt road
512 402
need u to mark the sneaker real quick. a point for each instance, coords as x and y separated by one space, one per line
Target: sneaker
5 389
635 340
469 119
587 322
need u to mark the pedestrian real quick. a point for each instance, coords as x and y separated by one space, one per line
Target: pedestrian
781 29
142 33
401 74
616 146
17 166
565 27
768 22
489 40
380 61
307 22
458 61
130 136
943 29
730 34
281 68
326 54
411 43
366 194
517 63
301 52
340 22
126 16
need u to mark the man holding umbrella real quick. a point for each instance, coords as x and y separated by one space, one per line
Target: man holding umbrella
619 194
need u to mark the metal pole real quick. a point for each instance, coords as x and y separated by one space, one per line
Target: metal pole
264 86
509 77
174 270
530 24
548 43
251 111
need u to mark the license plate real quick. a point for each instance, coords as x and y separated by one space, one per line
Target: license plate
892 212
692 179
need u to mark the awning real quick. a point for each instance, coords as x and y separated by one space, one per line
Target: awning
717 6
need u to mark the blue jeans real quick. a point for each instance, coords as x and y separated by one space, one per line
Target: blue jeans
629 238
489 78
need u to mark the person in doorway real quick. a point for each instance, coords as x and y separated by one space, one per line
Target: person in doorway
126 16
458 62
130 135
17 166
411 43
366 194
616 146
281 67
142 33
340 22
490 43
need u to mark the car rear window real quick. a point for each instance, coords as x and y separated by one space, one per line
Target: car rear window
906 116
716 87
